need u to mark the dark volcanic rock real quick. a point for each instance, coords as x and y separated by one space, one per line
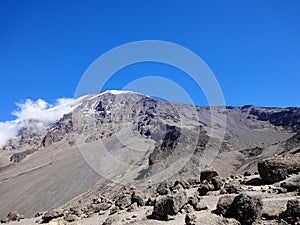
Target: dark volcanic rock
123 201
217 183
52 214
277 168
12 216
194 201
292 213
190 219
223 205
247 173
132 207
114 210
169 205
252 152
164 187
246 209
76 211
208 173
232 187
150 202
214 184
138 197
71 218
256 181
184 184
204 188
291 183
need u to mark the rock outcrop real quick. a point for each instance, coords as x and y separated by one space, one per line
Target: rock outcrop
277 168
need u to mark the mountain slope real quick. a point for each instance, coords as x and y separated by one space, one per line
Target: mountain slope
129 138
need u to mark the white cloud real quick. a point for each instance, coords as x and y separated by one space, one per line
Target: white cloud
39 111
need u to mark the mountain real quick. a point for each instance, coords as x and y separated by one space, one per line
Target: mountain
113 139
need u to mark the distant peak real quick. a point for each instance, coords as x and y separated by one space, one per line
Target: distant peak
118 92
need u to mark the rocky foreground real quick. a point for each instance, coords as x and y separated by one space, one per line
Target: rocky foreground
270 196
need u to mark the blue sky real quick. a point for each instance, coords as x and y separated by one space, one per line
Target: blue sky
252 47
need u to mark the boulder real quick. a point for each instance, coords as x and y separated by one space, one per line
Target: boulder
151 201
38 214
190 219
95 208
123 200
223 204
277 168
169 205
76 211
256 181
233 187
184 184
71 218
12 216
292 212
291 184
52 214
4 220
114 210
164 188
208 173
217 183
187 208
205 187
138 197
246 209
132 207
103 206
194 201
247 173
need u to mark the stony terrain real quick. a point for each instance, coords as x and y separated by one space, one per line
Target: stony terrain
125 158
208 199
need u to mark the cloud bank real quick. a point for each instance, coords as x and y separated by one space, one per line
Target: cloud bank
39 111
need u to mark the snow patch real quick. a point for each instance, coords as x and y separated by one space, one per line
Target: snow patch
113 92
118 92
